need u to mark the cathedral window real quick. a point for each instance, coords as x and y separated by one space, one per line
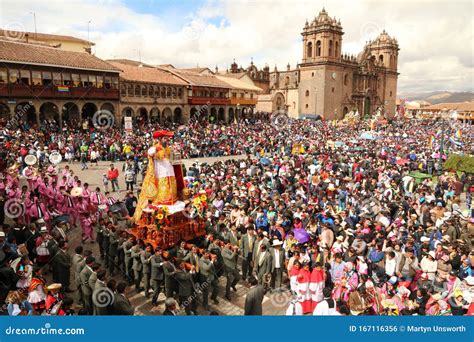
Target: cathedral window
336 50
330 48
381 59
307 93
309 50
318 48
346 79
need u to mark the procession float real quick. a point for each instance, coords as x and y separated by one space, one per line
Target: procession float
165 215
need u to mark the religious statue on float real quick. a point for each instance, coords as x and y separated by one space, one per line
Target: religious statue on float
163 181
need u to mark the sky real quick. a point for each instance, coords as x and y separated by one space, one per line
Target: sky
435 37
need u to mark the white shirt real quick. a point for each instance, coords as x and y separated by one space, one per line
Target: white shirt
390 265
277 258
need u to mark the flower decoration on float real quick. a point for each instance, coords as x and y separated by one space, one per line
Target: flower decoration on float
199 202
161 216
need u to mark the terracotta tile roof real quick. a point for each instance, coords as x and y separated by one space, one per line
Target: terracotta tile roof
199 79
233 74
41 36
15 52
459 106
195 70
235 83
145 73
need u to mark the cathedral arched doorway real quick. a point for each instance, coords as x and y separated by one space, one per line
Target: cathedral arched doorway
278 102
231 115
367 111
344 112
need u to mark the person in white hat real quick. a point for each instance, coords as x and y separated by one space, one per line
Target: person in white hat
429 265
278 263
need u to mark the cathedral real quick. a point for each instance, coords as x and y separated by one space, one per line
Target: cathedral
330 83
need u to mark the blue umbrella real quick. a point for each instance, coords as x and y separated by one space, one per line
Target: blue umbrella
265 161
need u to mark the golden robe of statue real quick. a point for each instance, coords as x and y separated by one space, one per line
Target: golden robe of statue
159 185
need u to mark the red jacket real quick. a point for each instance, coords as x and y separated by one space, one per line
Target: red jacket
112 174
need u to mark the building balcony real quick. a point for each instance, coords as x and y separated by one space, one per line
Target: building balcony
242 102
195 100
40 91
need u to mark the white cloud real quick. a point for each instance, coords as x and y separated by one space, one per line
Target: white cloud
435 37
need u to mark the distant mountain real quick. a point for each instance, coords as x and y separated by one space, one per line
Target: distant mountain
439 97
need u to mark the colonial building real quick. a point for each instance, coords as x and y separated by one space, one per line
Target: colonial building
252 75
330 83
38 83
52 40
149 93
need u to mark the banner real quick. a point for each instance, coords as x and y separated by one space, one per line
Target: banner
238 329
128 123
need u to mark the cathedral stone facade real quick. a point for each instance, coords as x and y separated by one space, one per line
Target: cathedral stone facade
331 84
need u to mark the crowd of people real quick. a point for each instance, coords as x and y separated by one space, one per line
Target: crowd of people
339 219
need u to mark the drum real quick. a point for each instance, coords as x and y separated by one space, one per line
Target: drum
55 158
30 160
102 206
119 208
76 192
60 219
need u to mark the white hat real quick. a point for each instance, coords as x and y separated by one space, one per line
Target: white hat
277 243
40 221
43 229
425 239
265 233
432 254
469 280
2 234
340 238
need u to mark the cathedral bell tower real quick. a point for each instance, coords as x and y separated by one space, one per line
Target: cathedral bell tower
322 39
